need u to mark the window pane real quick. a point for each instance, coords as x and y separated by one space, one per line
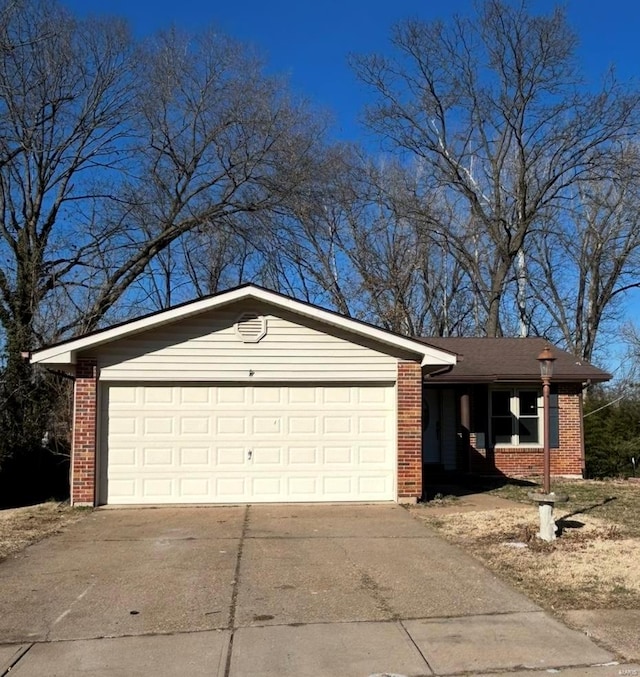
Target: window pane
528 402
502 427
528 430
501 403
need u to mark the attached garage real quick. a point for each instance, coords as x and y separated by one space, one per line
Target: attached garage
204 443
245 396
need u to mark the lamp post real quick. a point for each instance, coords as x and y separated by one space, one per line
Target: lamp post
546 500
546 360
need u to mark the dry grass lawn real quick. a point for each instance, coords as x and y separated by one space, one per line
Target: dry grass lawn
594 564
20 527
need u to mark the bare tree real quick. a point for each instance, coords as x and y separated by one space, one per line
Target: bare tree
410 283
353 244
586 259
219 141
64 97
110 152
494 107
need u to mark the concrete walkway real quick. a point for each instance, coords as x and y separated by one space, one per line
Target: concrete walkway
270 591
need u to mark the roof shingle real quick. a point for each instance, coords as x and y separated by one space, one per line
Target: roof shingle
508 359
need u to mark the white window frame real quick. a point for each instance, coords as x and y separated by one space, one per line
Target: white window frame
514 406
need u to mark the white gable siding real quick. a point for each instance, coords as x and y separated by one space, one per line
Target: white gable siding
207 348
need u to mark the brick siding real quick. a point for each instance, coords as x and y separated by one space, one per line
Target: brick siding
567 459
409 387
83 460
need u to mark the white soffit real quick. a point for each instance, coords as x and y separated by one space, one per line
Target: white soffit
65 353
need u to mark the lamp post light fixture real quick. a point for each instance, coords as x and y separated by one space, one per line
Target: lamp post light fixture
546 360
546 500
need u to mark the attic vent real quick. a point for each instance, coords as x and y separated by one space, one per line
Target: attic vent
251 327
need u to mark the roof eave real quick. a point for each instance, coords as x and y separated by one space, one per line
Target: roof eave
516 378
65 352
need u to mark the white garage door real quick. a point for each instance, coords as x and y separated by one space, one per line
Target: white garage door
223 444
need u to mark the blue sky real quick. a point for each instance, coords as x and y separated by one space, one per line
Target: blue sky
310 41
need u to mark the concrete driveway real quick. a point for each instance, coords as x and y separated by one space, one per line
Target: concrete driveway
268 591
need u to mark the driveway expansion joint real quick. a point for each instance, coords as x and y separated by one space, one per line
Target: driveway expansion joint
15 659
234 594
417 648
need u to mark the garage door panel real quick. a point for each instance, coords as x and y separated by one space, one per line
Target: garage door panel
195 425
302 425
124 426
372 425
340 455
123 456
203 396
160 489
230 425
303 488
337 396
230 456
194 457
368 456
156 395
266 426
158 457
197 488
266 456
123 395
231 488
231 395
379 396
213 443
372 485
303 456
337 487
303 395
337 425
266 488
123 490
159 425
270 396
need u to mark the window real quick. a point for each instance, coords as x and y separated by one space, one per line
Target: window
515 417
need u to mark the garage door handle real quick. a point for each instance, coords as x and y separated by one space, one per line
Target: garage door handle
249 454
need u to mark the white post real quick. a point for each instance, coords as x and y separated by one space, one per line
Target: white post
548 527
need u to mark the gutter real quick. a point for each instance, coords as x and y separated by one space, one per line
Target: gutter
509 378
438 372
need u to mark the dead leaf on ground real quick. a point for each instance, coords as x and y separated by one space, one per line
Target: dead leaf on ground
592 565
20 527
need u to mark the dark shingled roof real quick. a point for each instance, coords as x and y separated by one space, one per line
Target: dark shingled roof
491 360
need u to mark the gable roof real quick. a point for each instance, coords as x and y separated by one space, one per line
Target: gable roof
494 360
65 352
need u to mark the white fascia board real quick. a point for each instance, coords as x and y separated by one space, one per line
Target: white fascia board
66 353
59 357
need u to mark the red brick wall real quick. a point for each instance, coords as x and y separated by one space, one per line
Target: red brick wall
83 460
409 431
567 459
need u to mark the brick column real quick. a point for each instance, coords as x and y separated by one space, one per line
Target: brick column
409 387
83 458
567 460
